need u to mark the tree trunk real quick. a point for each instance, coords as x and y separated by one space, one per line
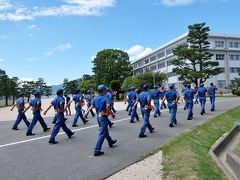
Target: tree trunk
13 102
117 96
6 100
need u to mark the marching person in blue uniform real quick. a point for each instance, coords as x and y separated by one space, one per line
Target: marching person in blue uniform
53 104
133 109
196 97
102 104
202 93
183 91
79 102
163 104
126 100
20 104
36 108
212 95
172 98
156 94
60 120
88 99
189 96
144 98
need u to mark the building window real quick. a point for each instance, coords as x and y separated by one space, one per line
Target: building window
161 65
234 57
171 74
234 44
169 63
234 69
220 57
169 51
161 55
153 68
221 84
146 61
219 44
153 58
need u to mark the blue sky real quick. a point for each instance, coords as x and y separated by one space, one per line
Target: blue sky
54 39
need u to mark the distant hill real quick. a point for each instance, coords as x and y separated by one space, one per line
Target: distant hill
56 87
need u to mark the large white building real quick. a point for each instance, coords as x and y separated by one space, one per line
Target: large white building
224 47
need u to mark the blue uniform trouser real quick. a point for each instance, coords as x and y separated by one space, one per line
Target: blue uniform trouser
190 109
112 108
36 118
60 123
88 106
173 113
156 108
203 102
21 116
145 123
185 104
54 119
77 115
128 106
212 100
196 100
134 115
103 133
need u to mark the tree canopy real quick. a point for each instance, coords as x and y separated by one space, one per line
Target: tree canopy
111 64
193 62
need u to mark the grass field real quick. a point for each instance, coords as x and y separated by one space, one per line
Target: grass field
187 156
237 151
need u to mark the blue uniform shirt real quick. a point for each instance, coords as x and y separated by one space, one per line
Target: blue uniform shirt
59 102
54 103
143 98
189 95
88 98
156 94
212 91
110 96
132 96
20 102
171 96
35 103
100 103
202 92
77 98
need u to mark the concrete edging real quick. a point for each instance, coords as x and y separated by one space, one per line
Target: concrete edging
234 162
219 146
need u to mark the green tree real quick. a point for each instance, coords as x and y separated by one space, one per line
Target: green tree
115 85
193 62
70 87
27 87
48 91
111 64
145 78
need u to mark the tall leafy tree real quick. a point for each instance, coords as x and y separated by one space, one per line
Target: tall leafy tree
27 87
111 64
193 62
70 87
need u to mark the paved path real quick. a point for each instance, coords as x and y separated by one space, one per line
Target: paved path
28 158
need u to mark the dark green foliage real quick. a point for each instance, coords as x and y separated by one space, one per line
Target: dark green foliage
194 62
111 64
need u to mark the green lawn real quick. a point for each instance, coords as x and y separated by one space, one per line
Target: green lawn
237 151
187 156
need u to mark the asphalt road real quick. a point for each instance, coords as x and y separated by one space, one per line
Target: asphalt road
32 158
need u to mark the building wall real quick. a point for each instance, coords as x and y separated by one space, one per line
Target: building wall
225 50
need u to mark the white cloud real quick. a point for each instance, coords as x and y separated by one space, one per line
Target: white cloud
1 59
18 12
137 51
177 2
58 48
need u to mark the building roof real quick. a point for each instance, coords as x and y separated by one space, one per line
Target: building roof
182 37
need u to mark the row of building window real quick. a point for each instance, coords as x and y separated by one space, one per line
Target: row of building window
220 57
220 44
